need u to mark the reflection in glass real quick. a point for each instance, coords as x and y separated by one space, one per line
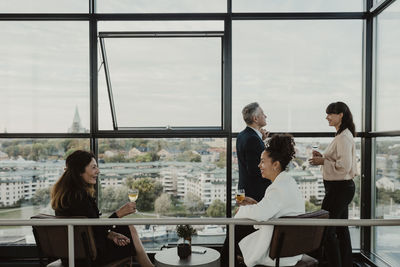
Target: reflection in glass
387 203
28 169
175 177
388 69
294 69
44 74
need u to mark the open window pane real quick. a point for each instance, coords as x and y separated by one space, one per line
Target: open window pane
28 169
294 69
184 177
44 74
164 82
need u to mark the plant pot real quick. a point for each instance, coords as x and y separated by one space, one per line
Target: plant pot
184 250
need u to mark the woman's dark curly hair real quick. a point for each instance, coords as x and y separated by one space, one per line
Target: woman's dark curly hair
280 147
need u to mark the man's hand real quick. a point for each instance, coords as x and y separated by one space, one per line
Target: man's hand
126 209
118 239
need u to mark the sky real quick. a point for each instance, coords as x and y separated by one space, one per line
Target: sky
294 69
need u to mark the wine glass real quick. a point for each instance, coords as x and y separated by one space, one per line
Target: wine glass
133 195
315 146
240 195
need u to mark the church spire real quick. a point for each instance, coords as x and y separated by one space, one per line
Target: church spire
76 126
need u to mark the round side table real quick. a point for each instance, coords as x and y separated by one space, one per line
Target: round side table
169 257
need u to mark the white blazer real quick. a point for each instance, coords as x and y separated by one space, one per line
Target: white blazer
282 198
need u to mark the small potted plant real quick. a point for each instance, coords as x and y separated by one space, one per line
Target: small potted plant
185 232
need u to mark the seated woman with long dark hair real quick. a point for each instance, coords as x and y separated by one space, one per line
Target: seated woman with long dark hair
74 195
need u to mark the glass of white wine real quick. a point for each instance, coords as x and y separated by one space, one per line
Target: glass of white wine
133 195
240 195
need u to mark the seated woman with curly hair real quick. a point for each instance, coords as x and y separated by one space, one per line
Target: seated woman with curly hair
282 198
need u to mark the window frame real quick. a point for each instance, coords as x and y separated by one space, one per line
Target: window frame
155 35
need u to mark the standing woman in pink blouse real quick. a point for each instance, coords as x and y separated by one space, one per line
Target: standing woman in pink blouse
339 167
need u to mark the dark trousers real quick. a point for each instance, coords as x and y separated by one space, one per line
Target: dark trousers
111 252
337 245
114 252
241 231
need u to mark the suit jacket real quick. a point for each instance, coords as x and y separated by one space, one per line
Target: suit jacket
249 147
282 198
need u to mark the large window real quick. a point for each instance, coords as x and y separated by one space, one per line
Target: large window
44 73
388 69
28 169
179 177
387 197
386 159
294 69
176 101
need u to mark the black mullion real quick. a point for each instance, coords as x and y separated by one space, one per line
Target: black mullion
44 135
44 16
94 115
185 16
161 34
366 142
299 15
108 82
380 6
227 104
92 6
175 134
384 134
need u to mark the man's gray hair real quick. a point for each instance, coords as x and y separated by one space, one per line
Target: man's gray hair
249 111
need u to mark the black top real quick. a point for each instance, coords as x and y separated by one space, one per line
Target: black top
249 147
87 207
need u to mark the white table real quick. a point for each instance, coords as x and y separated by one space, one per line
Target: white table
169 257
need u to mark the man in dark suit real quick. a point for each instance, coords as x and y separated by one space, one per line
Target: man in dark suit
249 146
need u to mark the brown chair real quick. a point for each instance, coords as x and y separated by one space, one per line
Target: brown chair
52 243
288 240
